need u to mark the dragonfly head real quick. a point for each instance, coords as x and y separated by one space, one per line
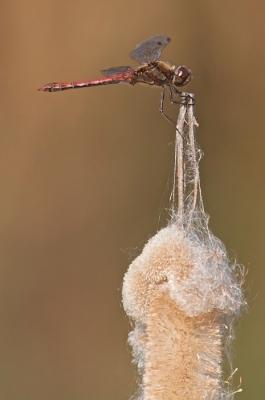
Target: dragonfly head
182 76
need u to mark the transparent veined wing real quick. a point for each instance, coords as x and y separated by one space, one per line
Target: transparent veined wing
149 50
116 70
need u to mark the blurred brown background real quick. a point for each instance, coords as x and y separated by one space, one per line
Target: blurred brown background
85 175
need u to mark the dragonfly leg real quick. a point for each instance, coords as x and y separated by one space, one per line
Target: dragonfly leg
185 98
161 107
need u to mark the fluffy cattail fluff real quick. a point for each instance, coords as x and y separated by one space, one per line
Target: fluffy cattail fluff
183 297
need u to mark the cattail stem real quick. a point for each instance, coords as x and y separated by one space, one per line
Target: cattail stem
180 161
183 294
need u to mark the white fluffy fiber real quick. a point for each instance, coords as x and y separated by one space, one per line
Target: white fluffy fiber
196 273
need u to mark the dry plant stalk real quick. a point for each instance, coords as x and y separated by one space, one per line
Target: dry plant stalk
183 294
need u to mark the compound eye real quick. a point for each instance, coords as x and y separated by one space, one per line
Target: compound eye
182 76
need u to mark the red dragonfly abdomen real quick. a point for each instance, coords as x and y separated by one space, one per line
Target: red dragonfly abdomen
56 87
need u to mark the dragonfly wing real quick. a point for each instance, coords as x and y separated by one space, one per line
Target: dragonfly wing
149 50
116 70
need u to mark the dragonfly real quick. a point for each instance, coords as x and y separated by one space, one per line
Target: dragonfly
151 72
